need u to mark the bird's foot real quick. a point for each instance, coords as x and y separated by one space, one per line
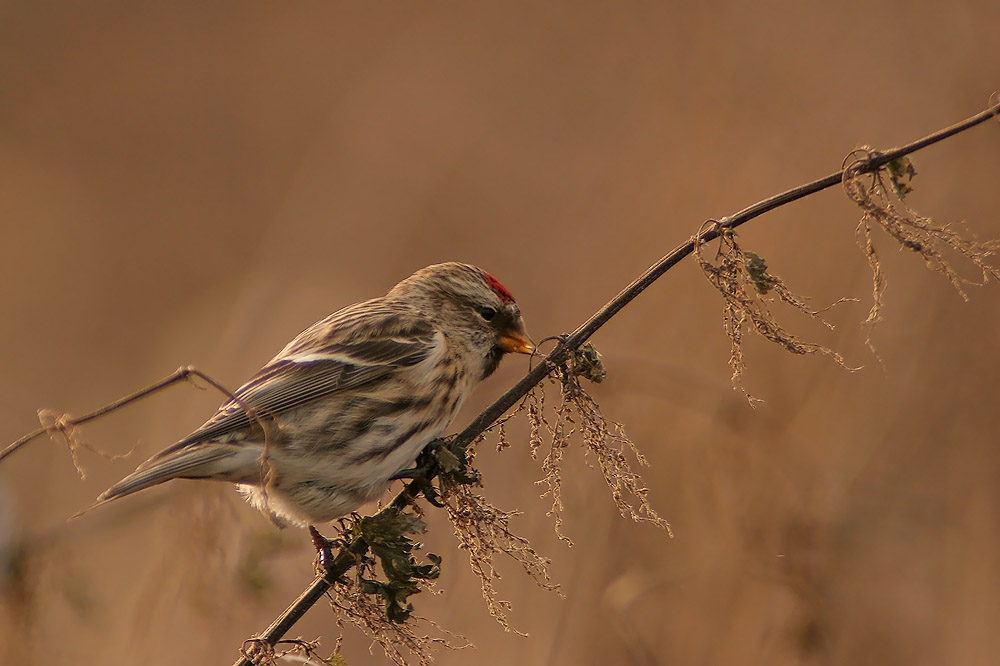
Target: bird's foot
423 471
424 466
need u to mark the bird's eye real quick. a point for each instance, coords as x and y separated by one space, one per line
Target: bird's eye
487 313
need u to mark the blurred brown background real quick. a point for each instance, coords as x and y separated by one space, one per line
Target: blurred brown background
196 182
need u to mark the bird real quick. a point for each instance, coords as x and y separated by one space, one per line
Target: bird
349 403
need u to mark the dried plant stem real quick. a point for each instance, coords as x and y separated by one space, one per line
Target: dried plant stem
742 279
66 424
880 197
348 557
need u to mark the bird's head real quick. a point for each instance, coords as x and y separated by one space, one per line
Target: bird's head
472 306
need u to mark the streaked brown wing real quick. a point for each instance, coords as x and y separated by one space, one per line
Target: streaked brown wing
338 365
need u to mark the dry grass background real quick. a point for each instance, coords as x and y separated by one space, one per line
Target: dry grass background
196 182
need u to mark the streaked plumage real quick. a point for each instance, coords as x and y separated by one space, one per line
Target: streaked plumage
352 399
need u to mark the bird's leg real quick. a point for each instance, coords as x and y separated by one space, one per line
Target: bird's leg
425 469
324 550
322 546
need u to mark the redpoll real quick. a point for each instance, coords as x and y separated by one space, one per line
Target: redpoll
352 400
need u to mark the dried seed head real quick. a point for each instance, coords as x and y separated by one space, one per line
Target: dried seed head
880 197
743 280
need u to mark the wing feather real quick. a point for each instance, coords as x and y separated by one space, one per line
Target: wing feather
342 352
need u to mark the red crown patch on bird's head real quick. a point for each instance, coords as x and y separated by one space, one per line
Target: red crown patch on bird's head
498 288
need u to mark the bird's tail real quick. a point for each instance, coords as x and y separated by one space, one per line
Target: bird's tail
210 460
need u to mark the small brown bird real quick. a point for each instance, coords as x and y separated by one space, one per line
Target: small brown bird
352 400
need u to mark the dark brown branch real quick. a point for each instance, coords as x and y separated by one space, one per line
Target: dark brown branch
347 558
66 422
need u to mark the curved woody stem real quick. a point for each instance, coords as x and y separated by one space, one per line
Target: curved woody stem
350 554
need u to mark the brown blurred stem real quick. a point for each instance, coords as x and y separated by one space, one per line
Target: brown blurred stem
66 422
347 558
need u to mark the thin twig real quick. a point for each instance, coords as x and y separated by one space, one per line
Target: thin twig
66 422
348 557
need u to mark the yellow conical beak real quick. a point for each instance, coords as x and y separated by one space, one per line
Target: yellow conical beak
516 342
